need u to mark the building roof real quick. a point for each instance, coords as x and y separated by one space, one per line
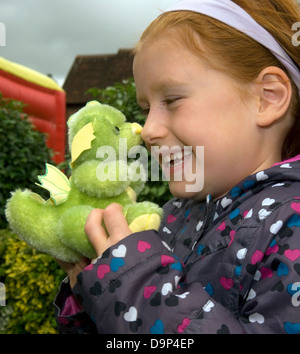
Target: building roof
99 71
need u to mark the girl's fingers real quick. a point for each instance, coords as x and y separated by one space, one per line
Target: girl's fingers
95 231
115 223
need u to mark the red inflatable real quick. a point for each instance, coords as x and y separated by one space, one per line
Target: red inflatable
45 102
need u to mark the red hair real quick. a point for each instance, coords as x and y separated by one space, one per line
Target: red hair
235 53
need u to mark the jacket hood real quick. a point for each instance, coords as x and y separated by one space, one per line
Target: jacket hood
282 173
202 216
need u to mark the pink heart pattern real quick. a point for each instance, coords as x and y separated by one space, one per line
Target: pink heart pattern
296 207
165 260
148 291
171 218
143 246
103 270
292 255
227 283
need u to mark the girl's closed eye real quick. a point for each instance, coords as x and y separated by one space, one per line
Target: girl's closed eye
170 100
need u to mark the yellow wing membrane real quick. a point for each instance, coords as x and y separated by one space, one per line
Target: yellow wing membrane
56 183
82 141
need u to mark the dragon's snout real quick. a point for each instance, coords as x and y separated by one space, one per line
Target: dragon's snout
136 128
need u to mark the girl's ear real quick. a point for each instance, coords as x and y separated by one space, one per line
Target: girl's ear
275 94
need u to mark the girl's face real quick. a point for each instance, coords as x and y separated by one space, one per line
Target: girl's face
191 105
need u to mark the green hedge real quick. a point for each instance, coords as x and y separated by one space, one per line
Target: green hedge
31 279
31 282
23 152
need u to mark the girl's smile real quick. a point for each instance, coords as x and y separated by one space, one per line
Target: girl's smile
173 160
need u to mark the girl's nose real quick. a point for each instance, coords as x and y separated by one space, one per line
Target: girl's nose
154 129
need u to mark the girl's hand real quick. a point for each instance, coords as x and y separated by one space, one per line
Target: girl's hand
73 269
115 223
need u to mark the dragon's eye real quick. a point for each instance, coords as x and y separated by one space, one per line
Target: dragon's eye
117 130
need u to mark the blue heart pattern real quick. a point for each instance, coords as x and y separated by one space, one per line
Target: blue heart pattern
282 269
292 288
158 327
292 328
294 221
116 263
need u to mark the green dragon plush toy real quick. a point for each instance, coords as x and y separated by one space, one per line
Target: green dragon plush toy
100 176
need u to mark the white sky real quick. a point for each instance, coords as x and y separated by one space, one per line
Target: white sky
46 35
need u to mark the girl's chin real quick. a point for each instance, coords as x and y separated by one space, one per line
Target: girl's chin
186 190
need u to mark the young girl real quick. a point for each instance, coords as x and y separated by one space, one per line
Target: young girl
223 75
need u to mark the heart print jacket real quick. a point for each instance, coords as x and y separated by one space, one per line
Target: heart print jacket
225 266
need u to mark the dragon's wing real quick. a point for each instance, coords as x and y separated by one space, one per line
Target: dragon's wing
56 183
82 141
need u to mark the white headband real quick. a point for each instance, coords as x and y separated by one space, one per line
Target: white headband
231 14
